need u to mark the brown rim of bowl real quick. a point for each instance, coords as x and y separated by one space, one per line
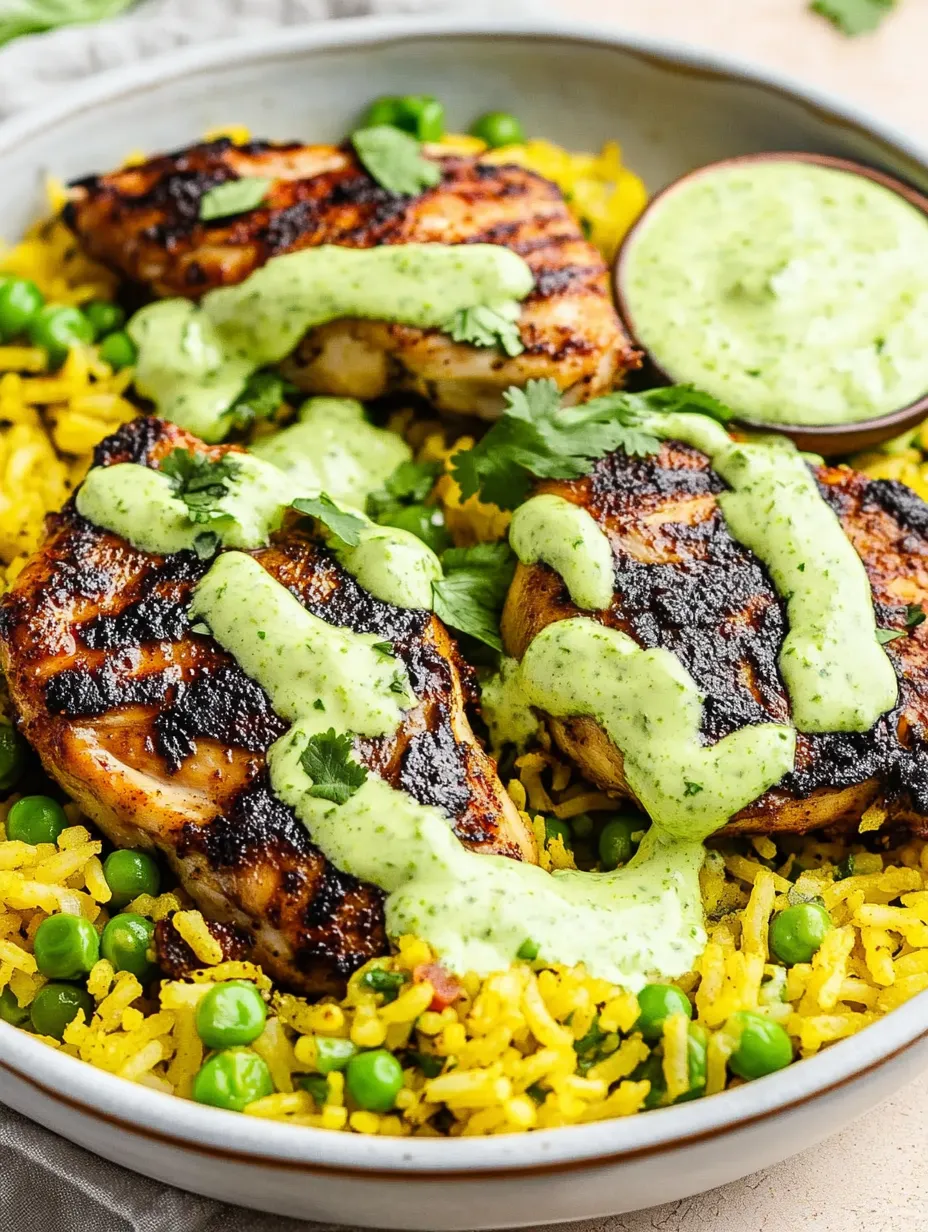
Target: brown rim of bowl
826 439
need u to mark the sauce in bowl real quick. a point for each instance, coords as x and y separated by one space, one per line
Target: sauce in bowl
792 287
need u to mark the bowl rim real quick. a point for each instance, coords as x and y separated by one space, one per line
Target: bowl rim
810 436
164 1120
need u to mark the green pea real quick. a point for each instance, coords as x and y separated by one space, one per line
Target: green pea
104 317
374 1079
333 1053
763 1046
10 1009
12 756
420 114
57 328
555 828
797 932
582 825
424 521
657 1002
697 1041
498 128
66 947
528 950
20 300
616 845
118 350
36 819
231 1014
56 1005
129 874
126 942
232 1079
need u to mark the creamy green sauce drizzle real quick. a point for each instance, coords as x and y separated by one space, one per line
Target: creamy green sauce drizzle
333 448
299 659
566 537
794 293
193 360
838 676
477 910
139 504
504 707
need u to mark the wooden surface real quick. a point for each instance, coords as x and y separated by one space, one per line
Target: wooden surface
873 1177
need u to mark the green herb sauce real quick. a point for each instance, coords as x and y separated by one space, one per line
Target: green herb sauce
333 448
477 910
504 707
193 360
796 294
569 539
139 504
838 676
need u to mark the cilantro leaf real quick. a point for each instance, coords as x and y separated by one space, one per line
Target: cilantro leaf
486 327
262 396
535 436
385 648
233 197
853 16
327 760
388 983
470 597
409 484
346 526
206 544
888 635
199 481
394 159
914 615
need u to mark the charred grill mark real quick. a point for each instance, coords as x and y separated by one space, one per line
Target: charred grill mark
154 619
254 825
434 769
224 705
88 693
567 278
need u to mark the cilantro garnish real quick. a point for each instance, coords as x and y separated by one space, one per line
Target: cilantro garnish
200 482
388 983
233 197
394 159
914 616
538 438
430 1065
409 484
692 789
471 594
528 950
486 327
854 16
385 648
327 760
317 1085
206 544
263 395
346 526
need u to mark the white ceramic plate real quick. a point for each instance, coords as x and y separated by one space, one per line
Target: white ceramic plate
671 109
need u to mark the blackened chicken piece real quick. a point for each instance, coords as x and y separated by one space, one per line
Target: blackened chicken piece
143 221
161 738
683 583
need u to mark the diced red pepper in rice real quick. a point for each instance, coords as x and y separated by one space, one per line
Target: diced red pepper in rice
446 987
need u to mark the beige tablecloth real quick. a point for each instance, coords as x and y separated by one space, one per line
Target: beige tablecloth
874 1176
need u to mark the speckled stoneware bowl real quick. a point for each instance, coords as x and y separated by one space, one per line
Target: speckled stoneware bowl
672 110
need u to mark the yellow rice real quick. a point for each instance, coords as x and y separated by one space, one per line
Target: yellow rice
502 1057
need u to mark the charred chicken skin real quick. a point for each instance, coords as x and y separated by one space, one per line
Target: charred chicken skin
161 738
143 221
683 583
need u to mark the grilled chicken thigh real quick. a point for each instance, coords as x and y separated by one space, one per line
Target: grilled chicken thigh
161 738
683 583
144 222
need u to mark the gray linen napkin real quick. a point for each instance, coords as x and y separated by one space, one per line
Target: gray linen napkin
46 1183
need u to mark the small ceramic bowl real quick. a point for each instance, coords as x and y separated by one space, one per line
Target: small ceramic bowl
670 108
826 439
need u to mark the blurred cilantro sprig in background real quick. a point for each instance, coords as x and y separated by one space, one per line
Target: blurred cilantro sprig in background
854 16
18 17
